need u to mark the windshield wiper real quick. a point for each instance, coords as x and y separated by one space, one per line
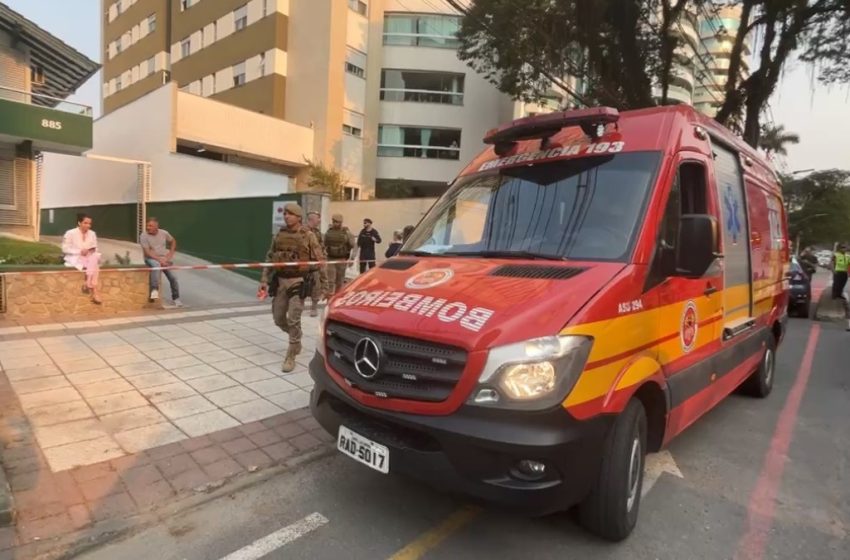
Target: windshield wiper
507 255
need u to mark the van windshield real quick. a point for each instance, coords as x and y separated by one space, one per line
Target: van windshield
582 209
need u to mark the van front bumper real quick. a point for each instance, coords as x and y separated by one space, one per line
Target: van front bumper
475 451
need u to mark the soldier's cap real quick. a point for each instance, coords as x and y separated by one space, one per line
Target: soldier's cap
337 217
294 209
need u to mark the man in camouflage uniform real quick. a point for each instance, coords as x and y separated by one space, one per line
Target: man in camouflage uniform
320 287
339 245
293 243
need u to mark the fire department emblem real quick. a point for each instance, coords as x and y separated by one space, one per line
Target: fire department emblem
429 278
689 328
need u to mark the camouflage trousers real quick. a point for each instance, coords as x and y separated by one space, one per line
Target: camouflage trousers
336 276
286 312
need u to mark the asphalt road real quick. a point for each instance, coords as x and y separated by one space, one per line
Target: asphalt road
761 479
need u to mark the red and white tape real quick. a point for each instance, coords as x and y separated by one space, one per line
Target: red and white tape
236 266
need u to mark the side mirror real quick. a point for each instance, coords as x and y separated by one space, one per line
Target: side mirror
698 244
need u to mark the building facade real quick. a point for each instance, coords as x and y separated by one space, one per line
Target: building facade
379 81
717 32
37 73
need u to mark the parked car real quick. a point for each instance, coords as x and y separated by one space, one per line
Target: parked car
800 301
825 260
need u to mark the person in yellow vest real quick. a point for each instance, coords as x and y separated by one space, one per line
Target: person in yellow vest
840 260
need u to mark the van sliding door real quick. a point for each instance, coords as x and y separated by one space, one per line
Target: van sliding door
735 236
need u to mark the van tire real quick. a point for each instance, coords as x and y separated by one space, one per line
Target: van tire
611 509
760 383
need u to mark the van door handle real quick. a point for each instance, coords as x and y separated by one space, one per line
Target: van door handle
710 289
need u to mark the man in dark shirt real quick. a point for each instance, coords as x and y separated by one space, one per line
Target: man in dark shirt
366 241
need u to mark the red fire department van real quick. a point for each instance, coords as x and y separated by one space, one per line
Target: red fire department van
588 287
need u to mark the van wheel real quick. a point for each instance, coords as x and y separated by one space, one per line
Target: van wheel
611 509
760 383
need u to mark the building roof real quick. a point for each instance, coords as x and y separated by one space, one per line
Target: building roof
65 68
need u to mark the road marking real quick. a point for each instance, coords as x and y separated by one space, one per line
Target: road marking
433 537
761 509
282 537
656 465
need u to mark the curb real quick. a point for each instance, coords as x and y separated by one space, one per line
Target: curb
828 309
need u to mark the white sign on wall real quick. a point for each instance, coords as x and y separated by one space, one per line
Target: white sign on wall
277 215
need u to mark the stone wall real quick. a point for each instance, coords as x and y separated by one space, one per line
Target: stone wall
53 296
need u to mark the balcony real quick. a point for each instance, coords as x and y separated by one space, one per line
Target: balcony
50 123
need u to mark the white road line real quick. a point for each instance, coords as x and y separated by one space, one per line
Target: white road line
279 538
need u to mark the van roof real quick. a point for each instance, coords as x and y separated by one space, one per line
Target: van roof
669 129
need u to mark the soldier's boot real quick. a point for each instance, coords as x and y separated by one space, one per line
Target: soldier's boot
289 361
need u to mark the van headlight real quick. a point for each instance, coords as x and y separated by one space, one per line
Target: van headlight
532 375
323 317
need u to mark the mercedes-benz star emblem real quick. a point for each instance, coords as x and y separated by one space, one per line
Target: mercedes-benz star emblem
367 358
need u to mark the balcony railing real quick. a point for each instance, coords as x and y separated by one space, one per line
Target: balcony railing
47 101
422 96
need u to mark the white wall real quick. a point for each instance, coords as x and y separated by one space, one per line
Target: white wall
143 130
218 124
387 215
357 32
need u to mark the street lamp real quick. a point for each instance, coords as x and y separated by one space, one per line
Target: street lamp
803 221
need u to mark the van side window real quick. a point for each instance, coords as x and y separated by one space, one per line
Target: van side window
688 195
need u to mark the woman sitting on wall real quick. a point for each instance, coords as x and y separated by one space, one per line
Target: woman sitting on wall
80 248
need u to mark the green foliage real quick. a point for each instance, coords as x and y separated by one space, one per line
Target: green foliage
774 140
14 251
818 206
322 178
625 51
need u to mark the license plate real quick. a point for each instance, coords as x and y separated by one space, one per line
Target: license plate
364 450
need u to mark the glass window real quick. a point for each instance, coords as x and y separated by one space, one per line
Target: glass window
422 87
151 23
118 84
358 6
586 208
413 141
352 68
186 47
152 65
240 17
239 74
262 64
421 30
352 130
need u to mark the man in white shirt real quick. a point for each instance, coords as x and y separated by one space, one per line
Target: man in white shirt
159 247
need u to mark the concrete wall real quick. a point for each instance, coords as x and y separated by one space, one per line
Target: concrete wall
147 130
387 215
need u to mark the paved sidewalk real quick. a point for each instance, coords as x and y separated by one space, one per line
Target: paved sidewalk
109 422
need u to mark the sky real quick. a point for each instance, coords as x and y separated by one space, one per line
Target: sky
820 115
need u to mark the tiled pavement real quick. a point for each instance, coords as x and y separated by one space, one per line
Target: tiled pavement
115 420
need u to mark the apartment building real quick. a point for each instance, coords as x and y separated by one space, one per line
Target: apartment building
37 73
717 31
379 81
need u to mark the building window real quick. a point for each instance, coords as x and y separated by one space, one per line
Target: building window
240 18
185 47
151 23
151 65
239 74
352 130
8 199
37 75
422 87
265 8
421 30
118 85
351 193
186 4
118 46
358 6
414 141
355 70
262 64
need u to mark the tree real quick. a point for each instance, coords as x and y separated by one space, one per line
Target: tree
774 139
623 50
322 178
818 206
